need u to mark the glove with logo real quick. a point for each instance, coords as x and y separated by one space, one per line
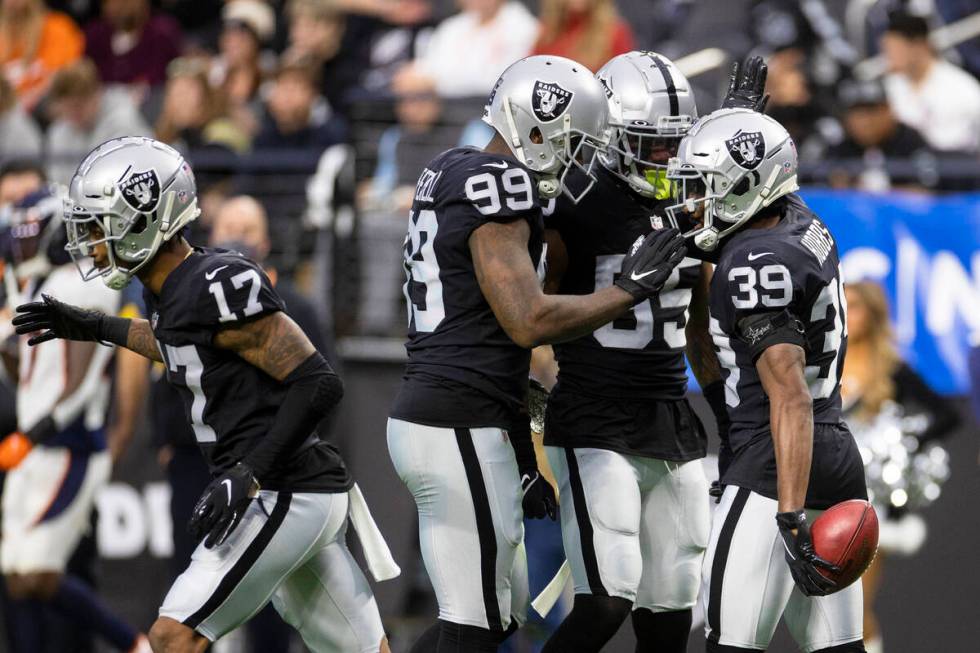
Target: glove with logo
539 497
60 320
649 263
13 449
222 506
747 90
801 556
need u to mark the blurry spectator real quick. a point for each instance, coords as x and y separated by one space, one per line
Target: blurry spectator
316 33
238 69
241 225
131 44
927 92
298 117
405 148
873 134
18 179
34 43
85 115
385 36
792 101
588 31
468 51
876 382
193 114
19 135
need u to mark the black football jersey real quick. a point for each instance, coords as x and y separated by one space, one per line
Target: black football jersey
793 266
463 370
637 358
230 403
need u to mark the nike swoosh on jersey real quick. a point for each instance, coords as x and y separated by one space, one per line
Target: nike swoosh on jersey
636 277
210 275
753 257
227 484
502 165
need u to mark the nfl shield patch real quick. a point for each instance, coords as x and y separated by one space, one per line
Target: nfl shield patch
141 190
747 149
549 101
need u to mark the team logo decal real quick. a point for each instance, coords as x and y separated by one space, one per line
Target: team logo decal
141 190
550 101
747 149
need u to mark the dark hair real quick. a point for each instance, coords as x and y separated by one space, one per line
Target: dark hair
910 26
21 166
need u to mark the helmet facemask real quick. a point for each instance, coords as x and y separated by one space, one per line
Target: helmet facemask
639 153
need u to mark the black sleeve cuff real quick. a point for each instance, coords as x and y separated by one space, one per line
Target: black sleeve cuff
763 330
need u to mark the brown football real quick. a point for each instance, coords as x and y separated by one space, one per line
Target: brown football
846 534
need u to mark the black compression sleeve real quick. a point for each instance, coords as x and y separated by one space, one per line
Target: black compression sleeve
313 390
520 439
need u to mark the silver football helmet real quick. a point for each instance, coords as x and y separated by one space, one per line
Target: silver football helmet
731 164
553 115
133 194
651 106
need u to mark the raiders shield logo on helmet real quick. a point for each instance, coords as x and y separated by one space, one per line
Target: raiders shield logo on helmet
747 149
550 101
141 190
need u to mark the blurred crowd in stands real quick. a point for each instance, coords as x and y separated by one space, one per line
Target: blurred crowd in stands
325 110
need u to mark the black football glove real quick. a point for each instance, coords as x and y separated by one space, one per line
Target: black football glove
747 90
57 319
539 497
801 557
222 506
649 263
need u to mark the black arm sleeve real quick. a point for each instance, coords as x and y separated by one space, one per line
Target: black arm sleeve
313 390
912 391
760 331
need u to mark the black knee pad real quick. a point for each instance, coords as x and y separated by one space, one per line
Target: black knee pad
662 632
851 647
457 638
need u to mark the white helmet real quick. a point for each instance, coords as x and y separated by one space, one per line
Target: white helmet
552 113
137 193
651 106
733 162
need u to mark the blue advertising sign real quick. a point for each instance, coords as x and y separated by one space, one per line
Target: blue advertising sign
925 251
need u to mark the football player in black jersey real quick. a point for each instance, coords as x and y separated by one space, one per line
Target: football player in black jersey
621 438
778 320
273 520
459 435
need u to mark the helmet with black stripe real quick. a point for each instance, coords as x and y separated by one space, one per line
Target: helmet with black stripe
651 107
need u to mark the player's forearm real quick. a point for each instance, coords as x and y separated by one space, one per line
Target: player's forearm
140 339
313 391
701 354
700 347
791 420
557 318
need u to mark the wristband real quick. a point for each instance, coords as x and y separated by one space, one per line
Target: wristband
114 330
